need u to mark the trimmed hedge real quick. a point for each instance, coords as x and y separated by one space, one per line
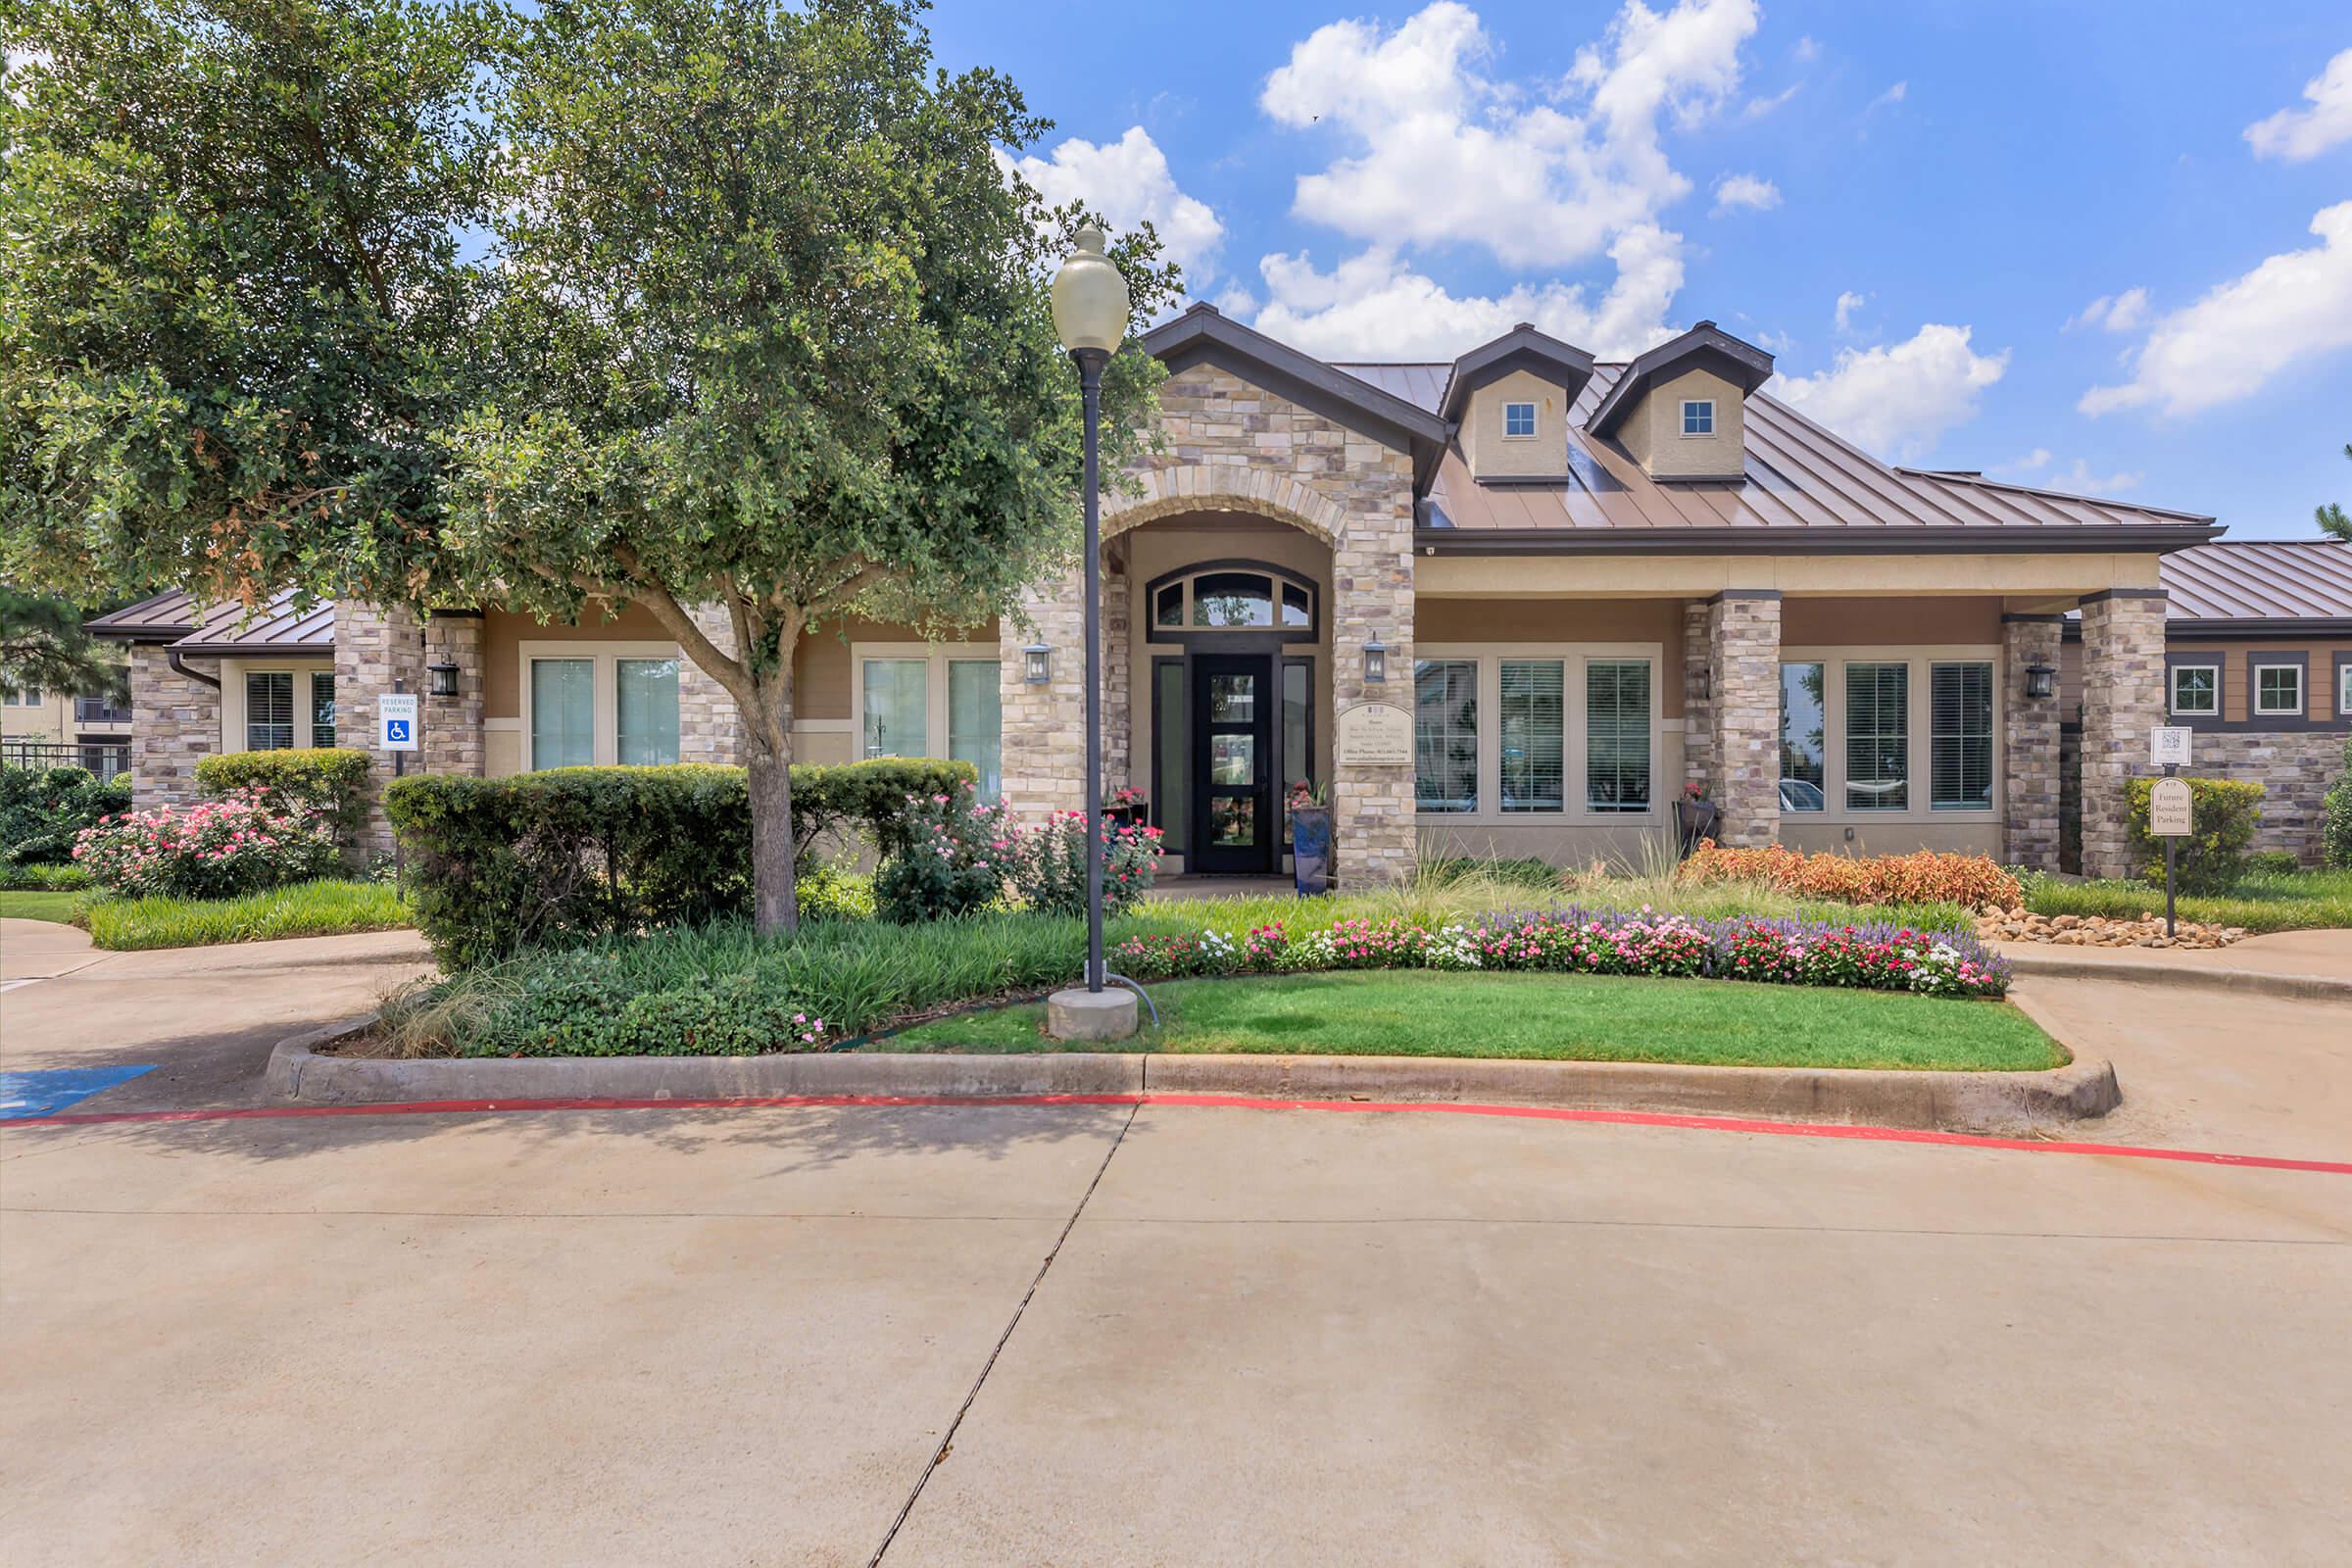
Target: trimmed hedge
43 809
2224 812
2336 827
331 780
498 865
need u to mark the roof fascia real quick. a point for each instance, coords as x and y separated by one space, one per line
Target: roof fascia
1705 347
1523 348
2096 538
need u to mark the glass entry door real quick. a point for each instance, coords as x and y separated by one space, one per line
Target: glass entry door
1235 819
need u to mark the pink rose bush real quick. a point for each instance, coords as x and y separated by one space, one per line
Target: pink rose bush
962 854
1047 864
215 849
1874 958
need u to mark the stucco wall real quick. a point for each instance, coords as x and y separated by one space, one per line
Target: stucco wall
1490 453
1654 432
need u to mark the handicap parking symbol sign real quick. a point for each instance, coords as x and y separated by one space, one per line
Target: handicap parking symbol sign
396 730
396 721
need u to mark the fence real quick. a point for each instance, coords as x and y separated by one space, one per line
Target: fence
105 758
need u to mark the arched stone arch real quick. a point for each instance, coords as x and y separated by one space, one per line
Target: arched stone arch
1209 487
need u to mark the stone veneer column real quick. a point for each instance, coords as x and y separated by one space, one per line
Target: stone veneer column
452 741
376 647
1375 833
1118 685
2123 698
1698 723
709 725
2029 758
174 721
1043 727
1743 712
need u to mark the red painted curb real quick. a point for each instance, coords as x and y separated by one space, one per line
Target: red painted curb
1623 1118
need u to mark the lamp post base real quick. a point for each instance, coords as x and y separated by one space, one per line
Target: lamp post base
1082 1014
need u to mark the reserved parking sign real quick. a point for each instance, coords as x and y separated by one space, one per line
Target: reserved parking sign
396 721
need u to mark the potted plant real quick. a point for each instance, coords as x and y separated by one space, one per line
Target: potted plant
1695 817
1310 806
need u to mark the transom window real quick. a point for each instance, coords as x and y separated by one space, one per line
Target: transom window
1698 417
2278 689
1233 599
1518 419
2196 689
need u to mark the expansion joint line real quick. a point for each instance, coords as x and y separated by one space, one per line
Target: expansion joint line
948 1439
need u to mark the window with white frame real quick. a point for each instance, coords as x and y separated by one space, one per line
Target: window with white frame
600 704
931 700
2344 691
1960 736
1698 417
1872 733
23 697
1559 714
1877 736
286 707
2278 689
1518 419
2196 689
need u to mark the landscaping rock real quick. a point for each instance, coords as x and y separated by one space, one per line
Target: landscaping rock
2100 931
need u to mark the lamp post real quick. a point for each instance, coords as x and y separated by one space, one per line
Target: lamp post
1090 313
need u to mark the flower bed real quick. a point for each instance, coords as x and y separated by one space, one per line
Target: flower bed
1923 876
215 849
1871 957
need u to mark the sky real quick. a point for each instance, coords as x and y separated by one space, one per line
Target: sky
2103 248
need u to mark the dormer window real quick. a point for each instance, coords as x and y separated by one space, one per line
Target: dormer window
1698 417
1519 419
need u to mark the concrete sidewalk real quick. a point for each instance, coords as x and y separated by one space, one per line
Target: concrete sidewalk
2323 957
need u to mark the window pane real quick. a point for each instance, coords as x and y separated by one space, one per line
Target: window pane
562 712
647 717
1534 734
2195 690
1297 608
269 710
1231 699
2343 690
323 709
1617 735
1699 419
975 720
1960 737
1878 737
2278 689
898 707
1172 756
1804 738
1233 599
1233 758
1445 735
1297 726
1518 419
1169 611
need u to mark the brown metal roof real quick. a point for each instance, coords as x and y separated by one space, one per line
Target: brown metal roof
2260 579
280 627
1800 478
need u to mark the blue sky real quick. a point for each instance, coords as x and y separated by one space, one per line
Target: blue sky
2070 244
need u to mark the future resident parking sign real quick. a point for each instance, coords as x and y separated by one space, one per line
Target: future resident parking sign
396 721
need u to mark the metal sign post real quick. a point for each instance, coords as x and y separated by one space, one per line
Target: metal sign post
2170 813
396 724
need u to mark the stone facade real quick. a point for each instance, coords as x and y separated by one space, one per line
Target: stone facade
1230 445
452 739
1744 715
1118 685
379 649
709 725
2029 760
173 722
1698 728
2294 767
2123 698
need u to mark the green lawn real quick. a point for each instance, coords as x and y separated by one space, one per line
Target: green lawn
1569 1017
2266 900
57 906
329 907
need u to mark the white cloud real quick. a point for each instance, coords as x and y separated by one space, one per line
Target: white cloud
1899 399
2117 312
1807 48
2039 457
1758 108
1542 174
1892 95
1847 304
2228 344
1236 301
1128 181
1373 305
1735 191
2295 134
2079 481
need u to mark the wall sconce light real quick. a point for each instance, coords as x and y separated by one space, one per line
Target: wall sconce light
2041 680
444 683
1037 663
1376 662
1706 684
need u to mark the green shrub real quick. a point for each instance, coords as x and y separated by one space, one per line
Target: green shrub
39 877
497 866
326 908
2335 830
331 780
2224 812
952 862
43 809
2272 863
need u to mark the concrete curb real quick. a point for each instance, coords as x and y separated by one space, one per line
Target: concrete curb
2261 982
1949 1101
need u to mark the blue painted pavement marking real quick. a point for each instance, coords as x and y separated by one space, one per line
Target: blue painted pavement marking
50 1090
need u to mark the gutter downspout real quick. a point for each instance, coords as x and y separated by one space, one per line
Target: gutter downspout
179 666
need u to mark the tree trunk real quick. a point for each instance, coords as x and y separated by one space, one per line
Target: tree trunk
774 905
